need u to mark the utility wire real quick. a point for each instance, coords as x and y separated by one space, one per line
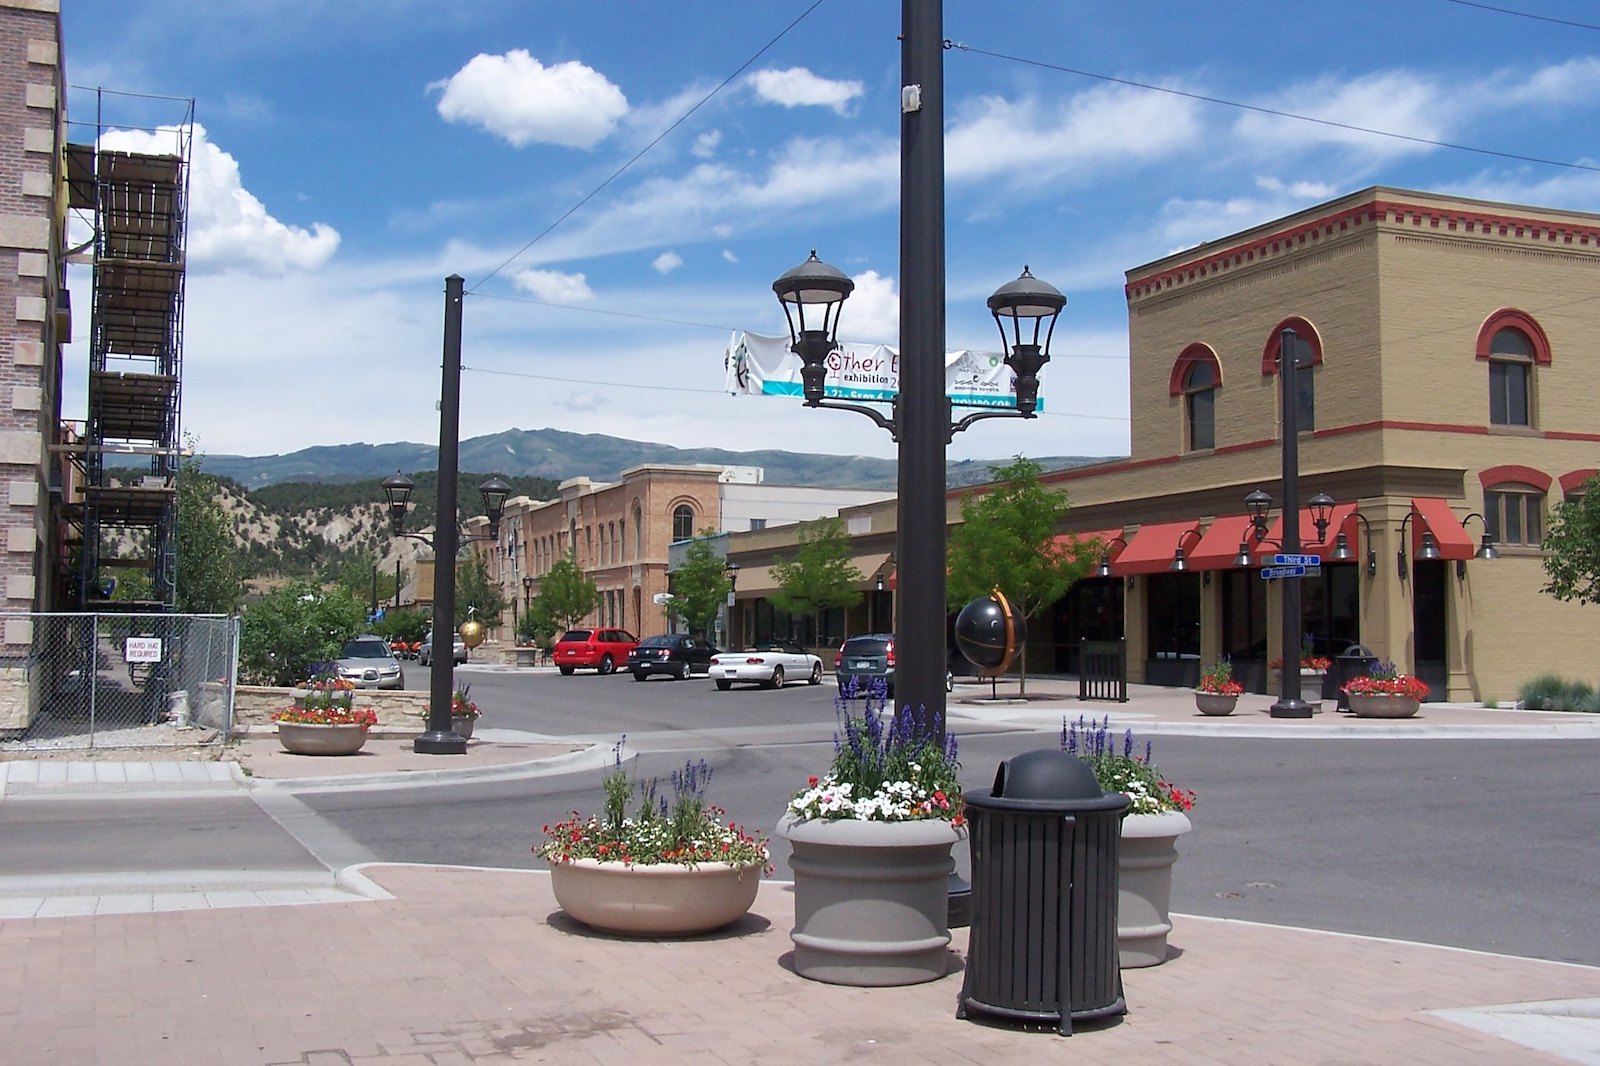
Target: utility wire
1271 111
640 154
1524 14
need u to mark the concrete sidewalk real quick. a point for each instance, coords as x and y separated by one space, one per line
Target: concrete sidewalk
458 966
422 965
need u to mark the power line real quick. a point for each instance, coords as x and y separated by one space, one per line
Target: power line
1524 14
640 154
1274 112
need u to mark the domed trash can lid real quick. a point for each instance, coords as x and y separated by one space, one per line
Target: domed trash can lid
1047 779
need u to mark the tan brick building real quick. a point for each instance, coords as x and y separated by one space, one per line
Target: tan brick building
1447 371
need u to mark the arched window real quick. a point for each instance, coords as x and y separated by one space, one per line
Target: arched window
1513 514
638 532
1200 406
683 522
1513 344
1308 356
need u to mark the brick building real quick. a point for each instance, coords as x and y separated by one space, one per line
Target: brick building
1446 379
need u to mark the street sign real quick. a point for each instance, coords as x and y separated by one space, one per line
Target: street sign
1268 573
1297 560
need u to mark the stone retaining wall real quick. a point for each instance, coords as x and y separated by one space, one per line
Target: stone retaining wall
398 711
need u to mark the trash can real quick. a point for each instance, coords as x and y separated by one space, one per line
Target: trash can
1043 941
1355 661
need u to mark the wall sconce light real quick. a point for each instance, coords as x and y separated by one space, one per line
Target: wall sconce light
1179 563
1428 551
1130 581
1104 569
1342 552
1486 548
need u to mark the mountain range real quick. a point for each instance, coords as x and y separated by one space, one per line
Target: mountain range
559 455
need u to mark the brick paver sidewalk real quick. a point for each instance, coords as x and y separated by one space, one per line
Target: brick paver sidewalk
473 966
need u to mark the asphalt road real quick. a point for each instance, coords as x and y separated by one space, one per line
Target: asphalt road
1476 844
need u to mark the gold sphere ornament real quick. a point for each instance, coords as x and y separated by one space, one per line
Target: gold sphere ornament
471 632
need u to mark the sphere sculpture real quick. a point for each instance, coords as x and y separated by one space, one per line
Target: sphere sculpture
989 633
471 632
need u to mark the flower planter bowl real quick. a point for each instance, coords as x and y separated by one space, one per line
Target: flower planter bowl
1215 703
1144 891
462 727
871 899
527 656
1382 706
663 900
301 738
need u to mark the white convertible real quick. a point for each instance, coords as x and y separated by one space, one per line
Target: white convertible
770 663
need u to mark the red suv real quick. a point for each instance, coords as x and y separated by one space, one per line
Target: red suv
599 649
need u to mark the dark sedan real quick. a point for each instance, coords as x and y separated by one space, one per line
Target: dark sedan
673 654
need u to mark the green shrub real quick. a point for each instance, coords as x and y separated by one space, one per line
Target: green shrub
1542 693
1574 694
1590 704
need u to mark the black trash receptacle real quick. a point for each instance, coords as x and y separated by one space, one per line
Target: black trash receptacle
1355 661
1043 943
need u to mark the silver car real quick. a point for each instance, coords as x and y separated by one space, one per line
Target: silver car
367 662
458 650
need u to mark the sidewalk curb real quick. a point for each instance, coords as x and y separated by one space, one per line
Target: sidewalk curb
590 757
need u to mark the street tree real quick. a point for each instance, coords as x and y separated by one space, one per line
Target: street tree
566 597
364 579
1007 540
1572 547
210 564
285 633
820 576
700 585
476 595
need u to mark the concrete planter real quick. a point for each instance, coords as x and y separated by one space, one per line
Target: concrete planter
664 900
300 738
1215 703
462 727
871 899
1144 888
527 656
1382 706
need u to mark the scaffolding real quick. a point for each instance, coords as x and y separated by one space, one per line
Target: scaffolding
137 204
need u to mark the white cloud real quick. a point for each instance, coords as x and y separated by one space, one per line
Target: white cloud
727 254
705 145
516 97
1397 102
798 87
667 262
872 314
229 229
554 286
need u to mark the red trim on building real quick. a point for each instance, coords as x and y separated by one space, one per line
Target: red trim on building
1527 475
1303 329
1441 521
1510 317
1574 480
1373 212
1195 353
1559 434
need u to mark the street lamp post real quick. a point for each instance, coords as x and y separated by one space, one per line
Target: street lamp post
440 738
1289 704
921 417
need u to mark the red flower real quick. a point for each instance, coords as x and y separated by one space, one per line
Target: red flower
812 780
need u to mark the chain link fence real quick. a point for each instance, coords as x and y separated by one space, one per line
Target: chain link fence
85 681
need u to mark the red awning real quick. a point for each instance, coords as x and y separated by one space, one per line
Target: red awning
1441 521
1309 544
1149 551
1104 536
1219 546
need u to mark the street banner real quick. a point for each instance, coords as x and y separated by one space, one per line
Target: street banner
755 365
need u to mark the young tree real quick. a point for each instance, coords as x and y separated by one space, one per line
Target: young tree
1572 547
210 564
360 575
821 574
475 590
289 629
1006 540
700 586
565 595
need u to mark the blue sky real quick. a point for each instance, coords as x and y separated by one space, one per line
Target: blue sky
349 154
